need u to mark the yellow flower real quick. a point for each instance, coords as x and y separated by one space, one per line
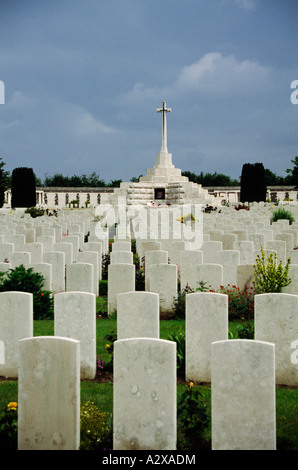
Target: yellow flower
108 346
12 405
191 384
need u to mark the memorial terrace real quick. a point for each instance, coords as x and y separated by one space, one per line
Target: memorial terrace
60 197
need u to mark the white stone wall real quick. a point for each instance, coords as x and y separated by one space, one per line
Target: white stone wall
138 193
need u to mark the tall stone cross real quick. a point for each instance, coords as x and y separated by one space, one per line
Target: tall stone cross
164 110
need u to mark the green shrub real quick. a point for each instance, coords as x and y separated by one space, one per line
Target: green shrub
140 272
282 213
103 287
270 276
110 338
25 280
179 338
95 428
240 302
105 264
245 331
179 302
35 211
193 419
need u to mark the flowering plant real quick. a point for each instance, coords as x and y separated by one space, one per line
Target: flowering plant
95 428
269 275
241 302
185 218
193 419
111 338
9 427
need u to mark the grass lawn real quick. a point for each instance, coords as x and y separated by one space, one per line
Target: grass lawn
101 393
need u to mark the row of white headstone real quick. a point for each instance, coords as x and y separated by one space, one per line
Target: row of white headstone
138 315
225 257
143 364
161 275
49 368
56 248
144 395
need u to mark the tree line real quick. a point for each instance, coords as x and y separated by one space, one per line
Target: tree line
76 181
220 179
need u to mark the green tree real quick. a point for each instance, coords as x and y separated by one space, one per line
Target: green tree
23 187
135 179
211 179
57 180
4 181
77 181
114 183
272 179
191 176
252 184
293 173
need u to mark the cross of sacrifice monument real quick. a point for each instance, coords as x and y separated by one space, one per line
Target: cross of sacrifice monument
163 181
164 110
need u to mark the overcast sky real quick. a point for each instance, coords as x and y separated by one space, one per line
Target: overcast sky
83 80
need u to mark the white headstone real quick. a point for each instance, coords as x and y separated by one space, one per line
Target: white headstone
96 246
137 315
189 259
243 395
144 415
246 248
122 246
121 278
276 321
45 269
229 259
75 240
79 277
16 258
91 257
163 281
5 250
67 249
245 276
258 240
49 394
210 274
75 317
280 247
16 322
153 257
36 250
206 321
47 242
117 257
57 260
210 251
292 288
